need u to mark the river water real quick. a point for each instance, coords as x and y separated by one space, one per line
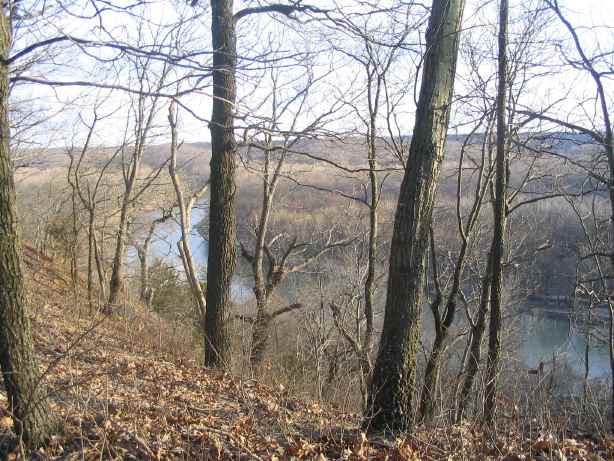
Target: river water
539 338
542 337
164 246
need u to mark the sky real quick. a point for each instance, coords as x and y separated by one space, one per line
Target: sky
68 126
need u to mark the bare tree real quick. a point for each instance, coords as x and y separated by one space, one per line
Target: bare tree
599 130
144 109
390 403
87 184
500 214
222 227
445 304
221 251
381 46
146 292
185 219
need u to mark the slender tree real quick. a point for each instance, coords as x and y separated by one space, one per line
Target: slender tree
445 305
185 207
390 401
146 292
500 214
144 109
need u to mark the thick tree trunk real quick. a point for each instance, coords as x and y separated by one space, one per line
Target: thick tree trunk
500 212
26 395
390 402
222 246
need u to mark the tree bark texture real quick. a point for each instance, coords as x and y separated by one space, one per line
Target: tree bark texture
390 401
500 212
222 246
26 395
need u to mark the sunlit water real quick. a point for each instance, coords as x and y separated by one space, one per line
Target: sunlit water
544 339
538 338
164 246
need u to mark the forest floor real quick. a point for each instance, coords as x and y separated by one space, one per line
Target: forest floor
117 395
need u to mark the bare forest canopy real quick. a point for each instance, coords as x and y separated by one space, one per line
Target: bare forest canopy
400 212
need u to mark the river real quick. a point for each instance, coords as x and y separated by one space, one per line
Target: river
539 338
164 246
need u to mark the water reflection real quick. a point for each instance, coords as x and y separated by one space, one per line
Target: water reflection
541 337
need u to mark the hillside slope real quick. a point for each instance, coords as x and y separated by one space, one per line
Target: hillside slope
121 390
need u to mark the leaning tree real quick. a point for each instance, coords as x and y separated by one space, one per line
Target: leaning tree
390 401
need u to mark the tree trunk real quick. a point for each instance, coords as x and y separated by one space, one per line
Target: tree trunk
146 293
100 268
477 333
498 243
260 335
611 351
222 246
185 221
391 392
431 378
116 285
26 395
366 365
90 260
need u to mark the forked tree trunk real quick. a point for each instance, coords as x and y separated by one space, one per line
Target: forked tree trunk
444 321
146 292
185 220
222 246
390 401
475 348
262 326
500 212
26 395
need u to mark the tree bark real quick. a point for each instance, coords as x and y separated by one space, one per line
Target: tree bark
90 260
477 333
260 335
367 341
116 284
390 402
26 395
500 212
222 246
